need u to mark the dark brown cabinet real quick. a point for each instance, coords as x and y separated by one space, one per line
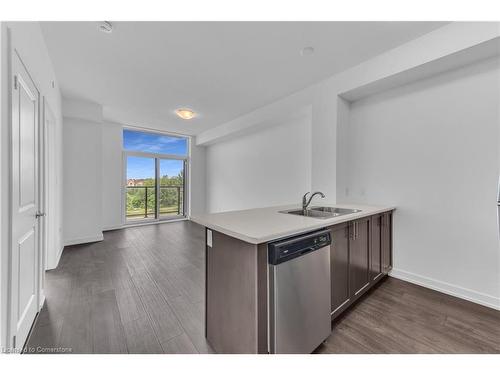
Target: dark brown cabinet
339 267
386 242
361 253
376 270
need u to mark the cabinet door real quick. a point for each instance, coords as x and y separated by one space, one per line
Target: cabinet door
359 253
376 247
339 267
386 242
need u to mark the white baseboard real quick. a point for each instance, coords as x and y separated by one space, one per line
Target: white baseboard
77 241
42 301
112 227
58 258
451 289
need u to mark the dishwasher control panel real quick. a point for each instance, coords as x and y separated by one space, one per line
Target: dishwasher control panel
283 250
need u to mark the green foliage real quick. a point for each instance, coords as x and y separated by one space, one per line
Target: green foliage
171 196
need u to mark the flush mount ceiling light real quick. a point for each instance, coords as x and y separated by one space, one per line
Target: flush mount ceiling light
185 113
306 51
105 27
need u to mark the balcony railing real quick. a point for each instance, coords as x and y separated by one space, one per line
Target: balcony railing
141 201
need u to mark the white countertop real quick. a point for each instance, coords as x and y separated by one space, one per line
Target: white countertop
260 225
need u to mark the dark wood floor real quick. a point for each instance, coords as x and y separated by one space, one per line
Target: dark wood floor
399 317
141 291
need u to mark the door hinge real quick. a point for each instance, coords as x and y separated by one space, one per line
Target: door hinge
15 82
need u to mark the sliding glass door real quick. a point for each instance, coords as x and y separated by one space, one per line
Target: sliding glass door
141 188
155 184
171 197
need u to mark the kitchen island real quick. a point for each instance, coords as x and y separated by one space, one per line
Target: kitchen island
237 268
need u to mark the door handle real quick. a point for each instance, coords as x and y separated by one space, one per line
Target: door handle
39 214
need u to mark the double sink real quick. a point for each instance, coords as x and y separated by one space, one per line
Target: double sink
320 212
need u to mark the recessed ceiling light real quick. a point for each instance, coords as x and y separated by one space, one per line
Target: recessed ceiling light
306 51
185 113
106 27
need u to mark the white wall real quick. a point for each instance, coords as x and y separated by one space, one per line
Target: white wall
269 167
112 175
82 168
431 149
4 186
27 39
448 47
197 175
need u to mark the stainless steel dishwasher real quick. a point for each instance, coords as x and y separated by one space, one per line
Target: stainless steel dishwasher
299 292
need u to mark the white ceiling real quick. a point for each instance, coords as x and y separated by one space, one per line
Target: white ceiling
143 71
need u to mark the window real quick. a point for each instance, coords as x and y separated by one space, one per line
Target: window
155 169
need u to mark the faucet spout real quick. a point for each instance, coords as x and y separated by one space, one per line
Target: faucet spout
306 202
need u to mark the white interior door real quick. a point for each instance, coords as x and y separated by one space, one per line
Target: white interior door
25 254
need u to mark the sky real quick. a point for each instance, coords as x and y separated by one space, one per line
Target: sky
154 143
140 167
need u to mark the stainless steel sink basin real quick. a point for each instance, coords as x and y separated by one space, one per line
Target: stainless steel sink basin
322 212
310 213
336 210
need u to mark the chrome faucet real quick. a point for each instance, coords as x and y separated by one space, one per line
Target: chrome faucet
306 202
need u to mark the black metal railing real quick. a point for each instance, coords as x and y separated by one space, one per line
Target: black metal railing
141 201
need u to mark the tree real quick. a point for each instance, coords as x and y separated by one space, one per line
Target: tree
171 195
